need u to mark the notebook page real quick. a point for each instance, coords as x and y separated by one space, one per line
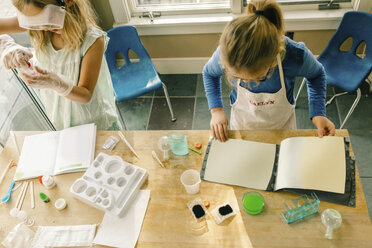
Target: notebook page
75 148
240 162
37 156
312 163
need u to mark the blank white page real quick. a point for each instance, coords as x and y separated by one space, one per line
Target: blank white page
312 163
240 162
38 156
75 148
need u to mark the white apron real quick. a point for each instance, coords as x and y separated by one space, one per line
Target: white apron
263 110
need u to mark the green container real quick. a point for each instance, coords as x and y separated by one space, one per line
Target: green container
253 203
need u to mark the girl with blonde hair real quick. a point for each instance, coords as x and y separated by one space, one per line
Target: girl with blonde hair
262 65
70 69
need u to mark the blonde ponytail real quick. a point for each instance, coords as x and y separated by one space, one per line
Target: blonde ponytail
254 39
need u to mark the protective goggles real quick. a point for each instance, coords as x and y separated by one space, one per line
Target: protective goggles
51 17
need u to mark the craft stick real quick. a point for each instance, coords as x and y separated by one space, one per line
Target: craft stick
157 159
5 171
20 194
127 143
23 197
16 186
32 194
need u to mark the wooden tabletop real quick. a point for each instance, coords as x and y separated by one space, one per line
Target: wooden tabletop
169 223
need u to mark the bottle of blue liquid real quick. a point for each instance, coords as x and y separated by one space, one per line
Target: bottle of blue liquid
178 143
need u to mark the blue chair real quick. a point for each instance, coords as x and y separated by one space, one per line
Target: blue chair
133 79
344 69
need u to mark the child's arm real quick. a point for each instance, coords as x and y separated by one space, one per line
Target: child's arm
89 72
212 73
10 25
314 72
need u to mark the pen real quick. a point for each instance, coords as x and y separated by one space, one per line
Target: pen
126 142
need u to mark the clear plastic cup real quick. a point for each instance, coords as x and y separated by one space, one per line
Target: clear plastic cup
164 148
178 143
191 181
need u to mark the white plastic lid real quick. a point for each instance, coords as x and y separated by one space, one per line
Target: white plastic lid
48 181
60 204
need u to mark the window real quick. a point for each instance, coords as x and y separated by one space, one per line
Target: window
19 110
170 7
211 16
315 4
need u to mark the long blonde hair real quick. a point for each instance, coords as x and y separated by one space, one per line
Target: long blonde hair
254 39
78 16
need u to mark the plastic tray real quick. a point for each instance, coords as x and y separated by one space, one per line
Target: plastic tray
109 184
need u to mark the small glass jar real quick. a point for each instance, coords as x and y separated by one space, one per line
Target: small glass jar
253 203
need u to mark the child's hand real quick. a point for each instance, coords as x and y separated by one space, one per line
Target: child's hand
219 124
324 125
16 56
42 79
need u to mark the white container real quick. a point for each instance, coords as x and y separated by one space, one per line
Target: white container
48 182
190 179
60 204
109 184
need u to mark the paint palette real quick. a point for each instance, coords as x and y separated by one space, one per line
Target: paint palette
109 184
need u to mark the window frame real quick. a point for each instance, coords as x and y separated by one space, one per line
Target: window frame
296 18
235 6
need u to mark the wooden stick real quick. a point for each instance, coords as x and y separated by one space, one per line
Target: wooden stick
127 143
20 194
32 194
16 186
155 156
23 197
5 171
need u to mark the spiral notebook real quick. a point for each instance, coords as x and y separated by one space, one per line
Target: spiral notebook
57 152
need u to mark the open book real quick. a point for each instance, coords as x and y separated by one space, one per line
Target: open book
52 153
301 163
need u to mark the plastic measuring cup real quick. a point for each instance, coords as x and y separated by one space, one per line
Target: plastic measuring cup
253 203
191 181
178 143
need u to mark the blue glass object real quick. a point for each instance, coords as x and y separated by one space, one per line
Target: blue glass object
301 207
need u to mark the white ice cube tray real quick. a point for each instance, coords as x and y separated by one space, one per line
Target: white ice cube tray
109 184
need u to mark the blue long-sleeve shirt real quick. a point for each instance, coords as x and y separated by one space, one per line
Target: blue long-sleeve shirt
298 62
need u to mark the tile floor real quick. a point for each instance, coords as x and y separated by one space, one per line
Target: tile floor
190 106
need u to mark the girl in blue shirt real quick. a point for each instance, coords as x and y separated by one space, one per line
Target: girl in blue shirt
262 65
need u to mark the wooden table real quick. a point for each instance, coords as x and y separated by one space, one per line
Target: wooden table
168 222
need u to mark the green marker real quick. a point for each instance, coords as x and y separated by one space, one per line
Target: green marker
194 150
44 197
